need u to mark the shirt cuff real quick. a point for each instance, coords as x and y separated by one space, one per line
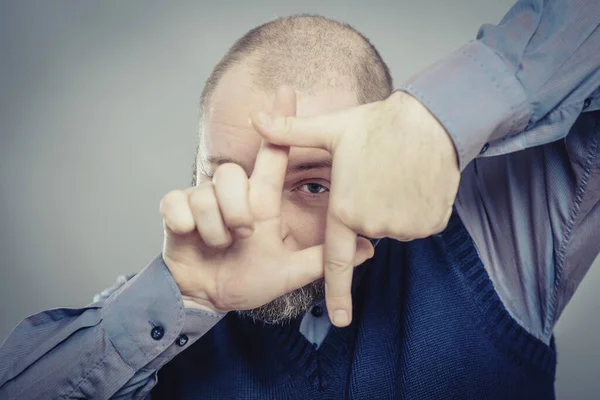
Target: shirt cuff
475 96
146 316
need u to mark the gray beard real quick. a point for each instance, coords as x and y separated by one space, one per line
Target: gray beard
289 306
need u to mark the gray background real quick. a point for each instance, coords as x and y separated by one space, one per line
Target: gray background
98 115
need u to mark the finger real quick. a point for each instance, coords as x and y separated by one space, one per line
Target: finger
207 216
231 189
271 162
306 265
176 213
364 251
340 251
321 131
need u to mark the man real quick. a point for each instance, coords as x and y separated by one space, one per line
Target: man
429 319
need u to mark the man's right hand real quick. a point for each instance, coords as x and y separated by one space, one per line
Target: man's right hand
223 243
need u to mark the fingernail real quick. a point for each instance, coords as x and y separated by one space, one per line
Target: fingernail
243 232
264 119
340 317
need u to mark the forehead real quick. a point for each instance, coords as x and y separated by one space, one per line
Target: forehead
226 128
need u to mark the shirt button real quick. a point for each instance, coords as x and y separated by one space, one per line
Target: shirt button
317 311
182 340
157 332
587 103
484 148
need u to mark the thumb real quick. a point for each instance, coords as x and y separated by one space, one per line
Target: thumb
320 131
364 250
306 265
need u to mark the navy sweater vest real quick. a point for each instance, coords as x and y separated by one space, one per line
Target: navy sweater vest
427 324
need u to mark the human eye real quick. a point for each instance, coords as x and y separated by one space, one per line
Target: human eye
312 188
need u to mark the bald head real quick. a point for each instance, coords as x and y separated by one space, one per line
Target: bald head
307 53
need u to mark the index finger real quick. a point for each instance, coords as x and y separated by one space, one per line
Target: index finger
270 167
339 252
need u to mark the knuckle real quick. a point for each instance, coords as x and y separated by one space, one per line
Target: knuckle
219 242
427 229
344 211
238 219
439 227
203 200
338 265
405 228
169 201
227 170
443 222
372 229
338 300
439 223
419 231
178 225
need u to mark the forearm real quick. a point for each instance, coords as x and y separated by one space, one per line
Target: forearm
522 83
62 365
105 350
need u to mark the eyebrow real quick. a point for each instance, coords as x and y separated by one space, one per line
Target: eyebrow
300 167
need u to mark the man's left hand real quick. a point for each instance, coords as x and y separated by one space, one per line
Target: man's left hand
395 174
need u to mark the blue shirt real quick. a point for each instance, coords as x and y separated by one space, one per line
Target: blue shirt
526 91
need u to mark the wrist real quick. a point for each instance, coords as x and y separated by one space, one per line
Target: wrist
193 297
425 124
476 97
189 302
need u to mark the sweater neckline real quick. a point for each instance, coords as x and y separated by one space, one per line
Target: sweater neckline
336 350
320 364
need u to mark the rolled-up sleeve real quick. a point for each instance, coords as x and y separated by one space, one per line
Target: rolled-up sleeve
522 83
112 348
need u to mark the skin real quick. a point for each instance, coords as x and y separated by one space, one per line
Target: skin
252 229
394 174
229 135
